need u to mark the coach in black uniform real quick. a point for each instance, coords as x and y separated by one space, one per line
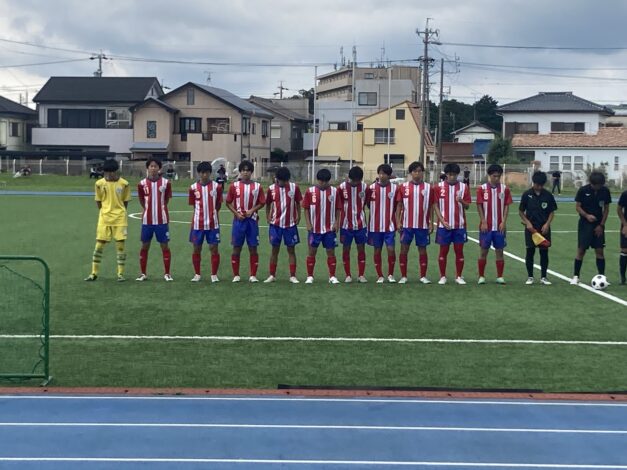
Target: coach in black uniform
622 215
537 209
593 206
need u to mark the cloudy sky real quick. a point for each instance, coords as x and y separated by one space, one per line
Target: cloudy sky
249 46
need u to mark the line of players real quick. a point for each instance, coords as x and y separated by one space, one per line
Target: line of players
411 208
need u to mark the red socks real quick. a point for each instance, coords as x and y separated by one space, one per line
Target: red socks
254 264
273 269
143 261
167 257
459 258
215 264
423 265
361 263
292 270
500 266
331 264
442 259
346 260
311 264
235 265
402 260
377 264
481 265
196 262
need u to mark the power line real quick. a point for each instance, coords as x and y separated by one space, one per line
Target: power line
522 72
24 43
539 67
41 63
551 48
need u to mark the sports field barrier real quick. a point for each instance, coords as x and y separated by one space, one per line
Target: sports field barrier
24 319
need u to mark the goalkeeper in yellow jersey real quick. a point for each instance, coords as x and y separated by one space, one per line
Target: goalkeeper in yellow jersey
112 196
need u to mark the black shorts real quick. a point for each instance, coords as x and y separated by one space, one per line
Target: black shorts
586 237
529 242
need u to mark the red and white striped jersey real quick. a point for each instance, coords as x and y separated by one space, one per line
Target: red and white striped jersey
321 204
153 197
382 202
245 196
493 200
206 200
416 200
283 201
352 201
452 211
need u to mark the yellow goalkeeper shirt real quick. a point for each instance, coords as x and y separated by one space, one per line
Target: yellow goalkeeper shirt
112 195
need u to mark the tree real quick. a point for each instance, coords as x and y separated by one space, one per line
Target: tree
309 94
485 112
278 155
500 150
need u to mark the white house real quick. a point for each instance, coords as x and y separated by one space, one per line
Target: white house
473 131
564 132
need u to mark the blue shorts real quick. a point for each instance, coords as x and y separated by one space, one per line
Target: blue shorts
245 230
446 237
328 240
212 236
377 239
493 238
161 233
289 236
347 236
421 235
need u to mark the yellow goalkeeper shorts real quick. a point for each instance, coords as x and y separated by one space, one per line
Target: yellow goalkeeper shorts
108 232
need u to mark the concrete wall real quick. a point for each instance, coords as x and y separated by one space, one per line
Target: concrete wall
153 112
116 140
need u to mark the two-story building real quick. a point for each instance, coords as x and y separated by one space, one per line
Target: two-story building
564 132
383 137
16 123
197 122
83 114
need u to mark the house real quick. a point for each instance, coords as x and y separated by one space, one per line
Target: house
197 122
372 145
84 114
474 131
291 121
564 132
16 124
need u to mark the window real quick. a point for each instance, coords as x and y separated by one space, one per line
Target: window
555 163
151 129
525 156
360 126
190 125
245 126
381 136
14 129
275 132
338 126
616 163
264 128
253 128
218 125
578 163
400 114
367 99
568 126
118 118
566 161
369 75
512 128
398 161
190 97
78 118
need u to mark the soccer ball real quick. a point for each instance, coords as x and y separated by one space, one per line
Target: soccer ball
599 282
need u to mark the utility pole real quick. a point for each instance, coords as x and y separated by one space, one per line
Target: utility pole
281 88
101 56
438 159
428 36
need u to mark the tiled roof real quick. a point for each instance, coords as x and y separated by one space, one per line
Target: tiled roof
235 101
277 109
560 101
473 124
96 89
8 106
607 137
163 104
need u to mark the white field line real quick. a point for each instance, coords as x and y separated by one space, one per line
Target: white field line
320 339
362 463
316 426
344 401
565 278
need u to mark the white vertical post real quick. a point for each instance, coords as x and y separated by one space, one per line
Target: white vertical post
191 168
313 142
121 164
67 166
41 162
389 110
14 166
336 170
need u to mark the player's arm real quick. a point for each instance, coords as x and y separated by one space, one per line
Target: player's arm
230 199
589 217
268 205
483 224
525 220
466 200
507 202
140 196
168 193
261 202
191 199
98 197
621 216
306 204
440 218
598 230
399 217
218 201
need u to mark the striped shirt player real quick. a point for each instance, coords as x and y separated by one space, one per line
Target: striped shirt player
493 201
154 195
382 225
321 204
415 209
206 198
283 201
452 199
353 196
